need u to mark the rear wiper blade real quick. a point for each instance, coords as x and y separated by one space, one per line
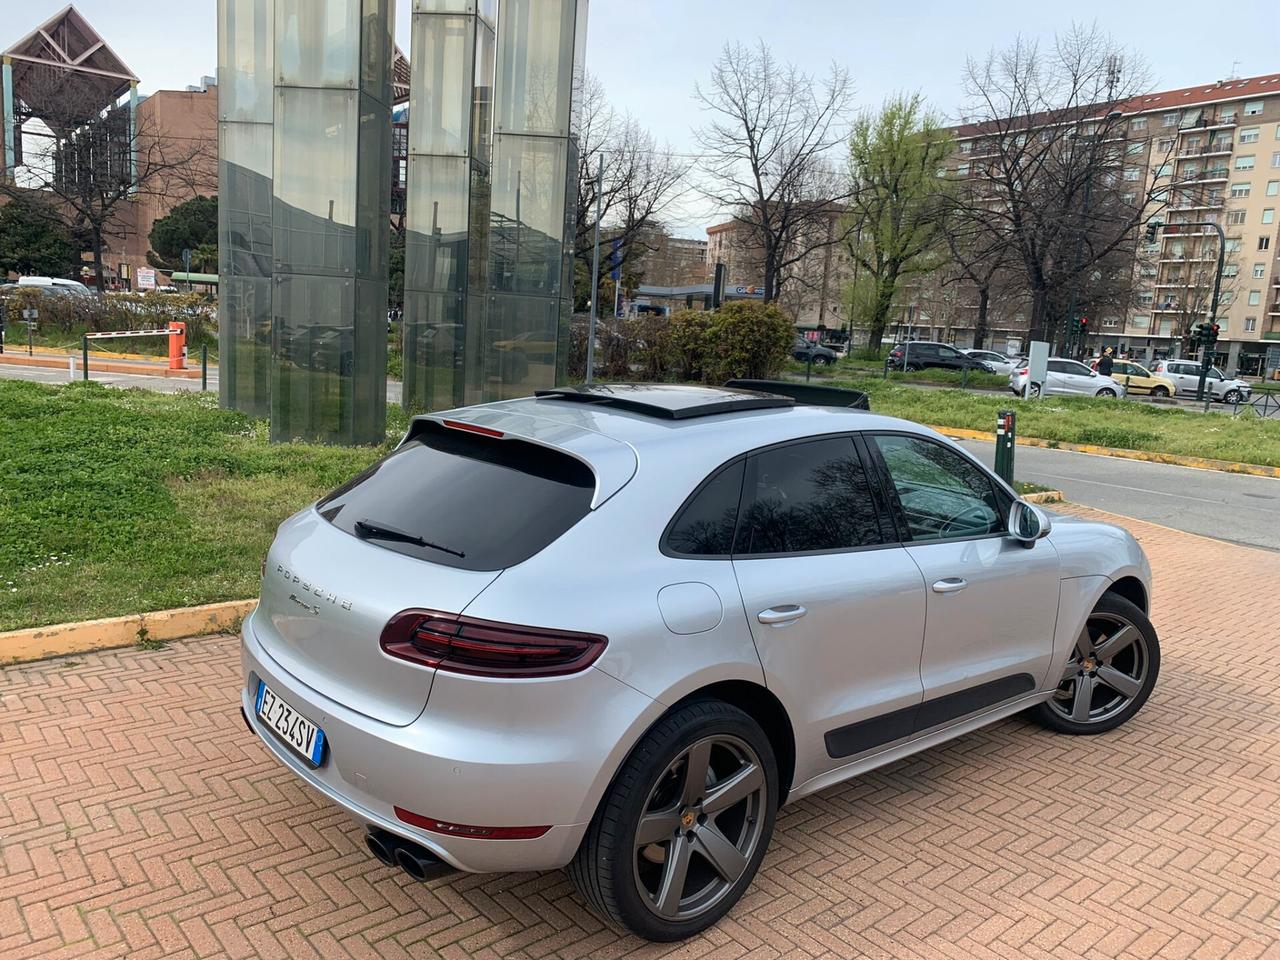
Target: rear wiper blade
371 530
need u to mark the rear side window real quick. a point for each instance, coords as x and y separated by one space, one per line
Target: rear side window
807 496
704 527
464 500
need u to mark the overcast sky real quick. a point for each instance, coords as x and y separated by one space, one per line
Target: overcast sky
649 53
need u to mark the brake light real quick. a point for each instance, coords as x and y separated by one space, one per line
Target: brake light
484 648
467 830
472 428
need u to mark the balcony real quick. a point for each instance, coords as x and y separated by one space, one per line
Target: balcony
1207 150
1208 123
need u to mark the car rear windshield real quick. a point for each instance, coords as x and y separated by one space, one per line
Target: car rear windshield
464 500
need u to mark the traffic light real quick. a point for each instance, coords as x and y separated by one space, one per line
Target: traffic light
1210 334
1153 227
1084 326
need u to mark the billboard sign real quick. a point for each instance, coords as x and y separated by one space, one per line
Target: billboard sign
146 278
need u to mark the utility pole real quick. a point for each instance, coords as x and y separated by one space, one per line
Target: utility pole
595 277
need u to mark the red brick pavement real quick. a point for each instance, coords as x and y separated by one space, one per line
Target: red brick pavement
139 819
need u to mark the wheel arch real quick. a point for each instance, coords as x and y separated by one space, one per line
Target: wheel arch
759 703
1131 589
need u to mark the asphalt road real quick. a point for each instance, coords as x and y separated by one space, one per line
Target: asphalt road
1228 506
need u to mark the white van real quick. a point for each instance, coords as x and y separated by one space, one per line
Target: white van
56 285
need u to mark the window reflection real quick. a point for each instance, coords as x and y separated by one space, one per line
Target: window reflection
807 496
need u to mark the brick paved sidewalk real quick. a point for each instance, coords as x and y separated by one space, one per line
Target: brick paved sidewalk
139 819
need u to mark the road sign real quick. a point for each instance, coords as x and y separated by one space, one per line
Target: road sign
146 278
30 313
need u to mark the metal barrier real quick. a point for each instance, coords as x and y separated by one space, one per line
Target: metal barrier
177 334
1264 406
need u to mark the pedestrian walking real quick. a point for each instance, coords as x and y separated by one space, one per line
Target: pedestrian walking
1106 363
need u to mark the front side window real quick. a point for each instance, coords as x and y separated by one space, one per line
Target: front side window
807 496
943 495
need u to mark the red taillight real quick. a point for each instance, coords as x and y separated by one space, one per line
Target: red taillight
467 830
472 428
457 644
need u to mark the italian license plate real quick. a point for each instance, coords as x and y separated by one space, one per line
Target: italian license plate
297 732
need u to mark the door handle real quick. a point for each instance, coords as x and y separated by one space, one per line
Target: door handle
781 614
950 585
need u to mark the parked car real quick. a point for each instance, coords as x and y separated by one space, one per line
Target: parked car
1185 375
804 350
1065 376
998 362
919 354
1138 379
615 627
56 285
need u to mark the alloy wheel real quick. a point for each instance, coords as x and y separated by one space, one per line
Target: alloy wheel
701 826
1106 670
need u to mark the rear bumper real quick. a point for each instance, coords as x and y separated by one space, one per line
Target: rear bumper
482 754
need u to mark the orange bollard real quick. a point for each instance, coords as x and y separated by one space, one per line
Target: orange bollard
177 345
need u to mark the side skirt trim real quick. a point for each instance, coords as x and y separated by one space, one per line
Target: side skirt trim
866 735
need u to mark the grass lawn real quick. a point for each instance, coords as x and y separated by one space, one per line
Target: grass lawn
846 368
115 502
1108 423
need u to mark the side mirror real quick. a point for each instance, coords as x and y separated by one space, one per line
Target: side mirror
1028 523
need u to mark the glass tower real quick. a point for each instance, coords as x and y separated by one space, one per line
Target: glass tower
305 181
245 115
493 153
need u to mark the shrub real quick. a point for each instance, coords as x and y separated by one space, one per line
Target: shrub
71 316
748 340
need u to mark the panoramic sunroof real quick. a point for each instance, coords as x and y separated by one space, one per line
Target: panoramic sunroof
668 401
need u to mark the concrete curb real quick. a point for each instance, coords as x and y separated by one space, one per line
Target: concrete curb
1045 496
56 640
1178 460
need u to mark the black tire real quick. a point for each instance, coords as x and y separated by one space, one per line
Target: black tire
1031 391
1231 396
1111 608
606 867
821 361
1160 391
1105 392
912 367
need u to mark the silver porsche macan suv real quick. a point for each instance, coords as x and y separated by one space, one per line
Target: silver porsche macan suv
614 627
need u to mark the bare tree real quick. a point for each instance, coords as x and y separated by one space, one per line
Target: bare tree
769 142
93 167
1046 168
980 256
640 181
1186 295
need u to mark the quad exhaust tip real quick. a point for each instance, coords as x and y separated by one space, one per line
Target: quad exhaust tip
415 860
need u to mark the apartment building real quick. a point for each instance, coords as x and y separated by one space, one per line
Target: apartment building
813 291
1212 154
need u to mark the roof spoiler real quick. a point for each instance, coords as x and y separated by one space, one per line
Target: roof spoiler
807 393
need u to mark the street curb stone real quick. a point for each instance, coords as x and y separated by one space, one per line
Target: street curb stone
1175 459
56 640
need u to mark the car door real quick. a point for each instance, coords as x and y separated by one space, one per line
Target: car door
950 357
1180 375
836 606
1056 380
991 603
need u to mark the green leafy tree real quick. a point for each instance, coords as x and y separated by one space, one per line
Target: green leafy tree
188 226
33 238
895 212
395 269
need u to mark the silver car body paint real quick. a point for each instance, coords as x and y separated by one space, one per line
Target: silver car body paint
542 751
